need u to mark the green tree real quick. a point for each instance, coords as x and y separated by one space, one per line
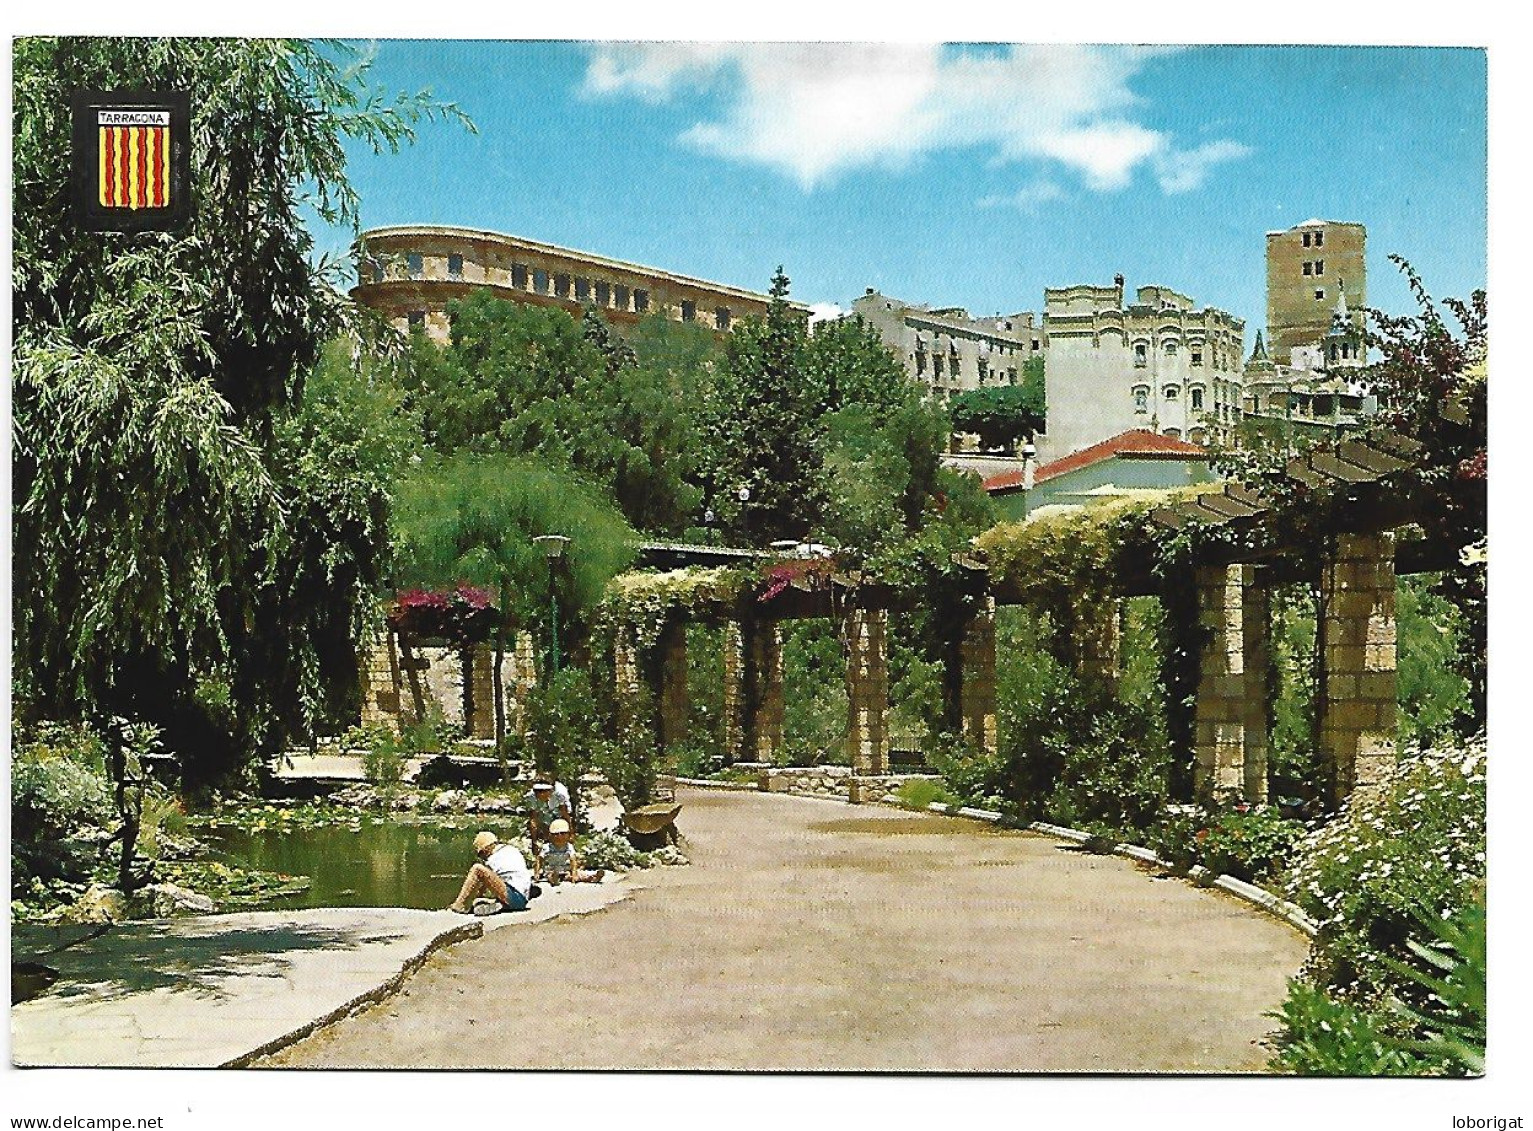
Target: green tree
518 379
763 430
1000 414
472 518
846 363
152 522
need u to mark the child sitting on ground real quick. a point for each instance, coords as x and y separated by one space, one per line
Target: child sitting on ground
557 861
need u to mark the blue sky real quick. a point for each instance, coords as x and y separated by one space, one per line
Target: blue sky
960 175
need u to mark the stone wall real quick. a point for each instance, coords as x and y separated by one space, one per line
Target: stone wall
806 781
404 679
835 782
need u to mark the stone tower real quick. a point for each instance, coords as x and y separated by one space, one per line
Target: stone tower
1311 270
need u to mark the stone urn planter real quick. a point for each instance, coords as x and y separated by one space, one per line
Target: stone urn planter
649 827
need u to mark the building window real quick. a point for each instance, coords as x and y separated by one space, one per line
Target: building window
641 301
954 366
984 370
1309 268
1141 354
721 318
1320 267
540 281
1174 433
1036 345
920 356
936 367
1319 295
1141 398
519 276
416 264
1170 349
688 310
1319 239
1170 392
1011 376
1306 239
620 297
1197 357
1198 436
417 319
455 267
562 286
603 294
376 270
1197 397
582 289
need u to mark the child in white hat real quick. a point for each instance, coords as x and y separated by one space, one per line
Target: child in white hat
557 862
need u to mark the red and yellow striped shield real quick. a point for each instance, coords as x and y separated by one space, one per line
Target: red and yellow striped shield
134 158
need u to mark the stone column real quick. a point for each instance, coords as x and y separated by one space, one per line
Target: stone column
734 692
382 681
481 698
519 677
674 703
1357 706
867 691
765 718
1256 629
627 679
1231 737
976 681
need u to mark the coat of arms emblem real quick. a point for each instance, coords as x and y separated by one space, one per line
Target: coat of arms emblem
130 160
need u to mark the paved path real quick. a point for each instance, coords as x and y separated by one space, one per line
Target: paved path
209 990
812 935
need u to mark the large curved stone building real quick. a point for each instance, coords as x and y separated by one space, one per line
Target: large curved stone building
411 272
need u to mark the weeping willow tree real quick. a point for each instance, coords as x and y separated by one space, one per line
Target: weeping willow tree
472 519
164 567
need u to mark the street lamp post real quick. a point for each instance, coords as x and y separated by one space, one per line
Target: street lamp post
553 550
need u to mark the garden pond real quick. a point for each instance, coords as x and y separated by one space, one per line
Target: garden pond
368 863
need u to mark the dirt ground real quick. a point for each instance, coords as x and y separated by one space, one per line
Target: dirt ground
812 935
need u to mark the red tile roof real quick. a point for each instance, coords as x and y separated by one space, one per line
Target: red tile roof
1137 443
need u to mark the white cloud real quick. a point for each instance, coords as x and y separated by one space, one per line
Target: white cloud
1184 170
816 110
1029 198
826 312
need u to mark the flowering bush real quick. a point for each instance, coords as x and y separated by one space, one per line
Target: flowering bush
464 614
1413 844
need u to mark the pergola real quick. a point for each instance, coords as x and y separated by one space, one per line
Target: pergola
1368 491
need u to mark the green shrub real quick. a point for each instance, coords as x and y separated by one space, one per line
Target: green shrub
1414 842
610 851
814 694
383 754
695 758
920 793
1449 980
565 735
58 783
1252 843
631 763
1325 1037
430 735
970 774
